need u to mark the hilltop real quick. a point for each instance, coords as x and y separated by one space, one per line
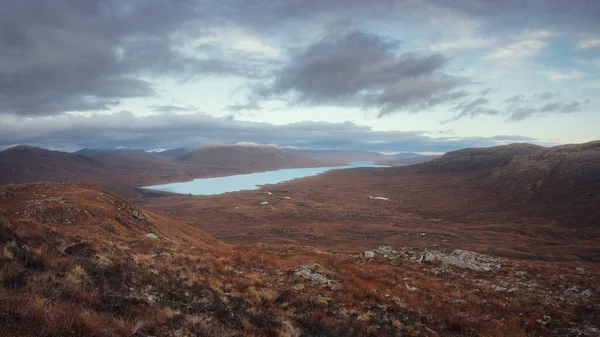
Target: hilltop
250 157
123 170
79 261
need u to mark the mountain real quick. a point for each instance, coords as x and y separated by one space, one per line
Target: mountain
349 156
563 180
76 260
408 160
249 157
122 170
171 153
95 151
477 159
24 163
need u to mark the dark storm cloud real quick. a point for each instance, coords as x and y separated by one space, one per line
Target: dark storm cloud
71 55
353 68
177 130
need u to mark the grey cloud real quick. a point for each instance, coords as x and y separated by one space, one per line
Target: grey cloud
474 108
176 130
545 96
527 110
69 55
353 68
517 108
519 114
515 99
171 108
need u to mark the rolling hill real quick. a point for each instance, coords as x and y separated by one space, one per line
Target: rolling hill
249 158
76 260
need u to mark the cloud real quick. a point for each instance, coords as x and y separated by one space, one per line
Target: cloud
464 43
517 108
171 130
564 76
474 108
74 56
353 68
588 44
518 51
171 108
527 108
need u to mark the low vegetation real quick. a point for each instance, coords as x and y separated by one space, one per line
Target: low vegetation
78 261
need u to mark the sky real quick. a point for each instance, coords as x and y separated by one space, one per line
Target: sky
382 75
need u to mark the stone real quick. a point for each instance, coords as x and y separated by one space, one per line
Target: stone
315 273
368 254
462 259
151 236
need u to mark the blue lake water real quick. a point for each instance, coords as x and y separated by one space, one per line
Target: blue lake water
252 181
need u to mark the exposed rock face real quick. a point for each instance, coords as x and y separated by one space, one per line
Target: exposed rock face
462 259
385 251
316 273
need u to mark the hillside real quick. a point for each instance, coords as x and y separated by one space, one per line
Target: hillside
20 164
477 159
76 260
537 206
122 170
249 158
408 160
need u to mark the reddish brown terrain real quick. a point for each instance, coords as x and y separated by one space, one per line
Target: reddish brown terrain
76 260
123 171
518 201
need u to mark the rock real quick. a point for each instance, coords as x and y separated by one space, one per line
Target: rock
581 271
384 250
574 291
456 300
440 271
264 203
151 236
315 273
428 257
520 273
462 259
545 320
367 254
400 303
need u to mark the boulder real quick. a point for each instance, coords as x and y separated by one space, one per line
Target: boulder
462 259
315 273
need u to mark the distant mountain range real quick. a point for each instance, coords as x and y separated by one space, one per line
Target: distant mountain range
121 170
353 155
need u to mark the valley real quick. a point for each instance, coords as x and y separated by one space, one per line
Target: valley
506 238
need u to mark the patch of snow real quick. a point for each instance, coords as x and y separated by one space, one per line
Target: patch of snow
264 203
151 236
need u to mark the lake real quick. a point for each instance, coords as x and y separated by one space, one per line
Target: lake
251 181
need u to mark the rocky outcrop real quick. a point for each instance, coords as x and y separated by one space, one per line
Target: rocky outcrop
385 251
315 273
462 259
